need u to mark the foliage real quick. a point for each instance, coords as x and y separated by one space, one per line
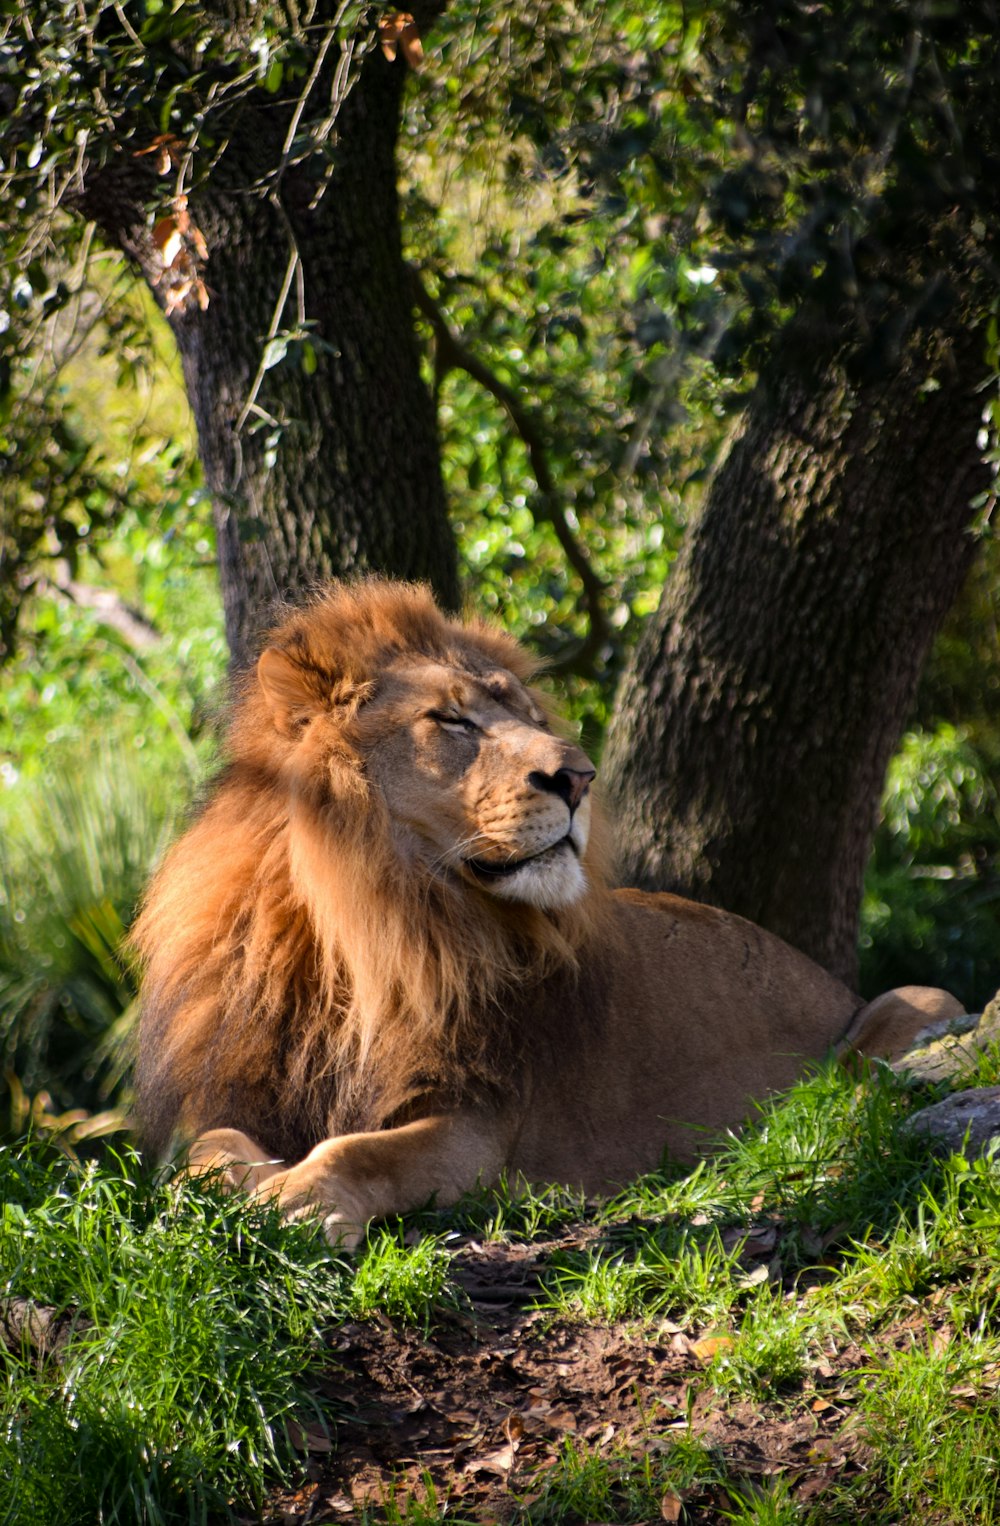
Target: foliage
401 1281
77 852
186 1372
651 194
650 197
590 1485
931 911
195 1331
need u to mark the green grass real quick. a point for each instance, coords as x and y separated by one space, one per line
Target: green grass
875 1242
426 1508
676 1271
769 1351
588 1484
935 1425
511 1210
200 1320
196 1326
405 1282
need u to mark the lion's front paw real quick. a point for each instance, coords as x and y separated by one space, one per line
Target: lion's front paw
236 1160
340 1231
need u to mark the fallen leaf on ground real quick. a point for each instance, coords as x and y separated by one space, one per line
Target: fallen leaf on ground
501 1461
710 1345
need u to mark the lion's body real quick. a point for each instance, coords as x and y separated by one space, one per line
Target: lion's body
384 963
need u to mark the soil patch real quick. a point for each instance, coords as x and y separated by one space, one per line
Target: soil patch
479 1409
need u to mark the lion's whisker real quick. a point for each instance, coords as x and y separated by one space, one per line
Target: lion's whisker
456 849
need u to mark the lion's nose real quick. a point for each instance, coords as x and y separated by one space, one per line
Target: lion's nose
570 784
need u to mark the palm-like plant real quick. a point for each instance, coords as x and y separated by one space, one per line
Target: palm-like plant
72 867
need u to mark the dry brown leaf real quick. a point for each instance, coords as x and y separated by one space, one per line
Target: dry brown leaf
168 149
760 1242
400 28
183 265
168 238
501 1461
671 1506
562 1419
176 297
513 1427
941 1339
413 48
308 1438
710 1345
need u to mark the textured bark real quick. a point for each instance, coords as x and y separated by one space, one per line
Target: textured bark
756 722
347 476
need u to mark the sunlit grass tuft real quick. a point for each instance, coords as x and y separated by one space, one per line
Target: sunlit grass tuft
196 1322
409 1283
587 1483
670 1270
933 1418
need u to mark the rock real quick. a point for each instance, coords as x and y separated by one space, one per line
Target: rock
952 1047
964 1123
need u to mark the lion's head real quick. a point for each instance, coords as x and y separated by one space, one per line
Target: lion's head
399 847
454 751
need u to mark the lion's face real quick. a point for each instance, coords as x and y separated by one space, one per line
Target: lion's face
477 782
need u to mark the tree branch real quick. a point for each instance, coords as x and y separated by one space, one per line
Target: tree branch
453 354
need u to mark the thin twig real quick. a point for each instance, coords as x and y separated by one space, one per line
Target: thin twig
279 308
127 26
300 104
453 354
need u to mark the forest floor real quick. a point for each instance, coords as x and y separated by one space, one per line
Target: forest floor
505 1412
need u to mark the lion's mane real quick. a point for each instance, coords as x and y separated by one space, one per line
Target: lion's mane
301 979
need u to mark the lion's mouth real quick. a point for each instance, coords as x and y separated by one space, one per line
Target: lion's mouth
485 870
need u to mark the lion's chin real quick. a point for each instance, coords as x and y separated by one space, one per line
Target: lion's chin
554 879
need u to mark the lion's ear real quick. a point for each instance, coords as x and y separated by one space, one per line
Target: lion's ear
290 690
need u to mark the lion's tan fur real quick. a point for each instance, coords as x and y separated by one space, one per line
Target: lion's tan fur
289 963
385 952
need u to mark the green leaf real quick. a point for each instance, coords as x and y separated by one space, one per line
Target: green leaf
275 351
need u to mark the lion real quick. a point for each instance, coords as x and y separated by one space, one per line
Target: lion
385 965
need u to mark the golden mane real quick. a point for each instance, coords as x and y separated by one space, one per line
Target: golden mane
298 972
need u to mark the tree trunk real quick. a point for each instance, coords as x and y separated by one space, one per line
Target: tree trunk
333 471
755 724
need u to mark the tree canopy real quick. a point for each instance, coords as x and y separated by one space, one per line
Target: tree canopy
584 232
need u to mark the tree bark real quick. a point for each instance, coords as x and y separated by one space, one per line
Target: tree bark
755 724
326 473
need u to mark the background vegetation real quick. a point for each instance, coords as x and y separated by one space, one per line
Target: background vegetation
603 268
559 211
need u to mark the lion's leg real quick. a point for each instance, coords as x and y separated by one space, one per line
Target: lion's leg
356 1177
885 1028
237 1159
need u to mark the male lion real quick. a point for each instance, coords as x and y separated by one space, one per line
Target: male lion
384 963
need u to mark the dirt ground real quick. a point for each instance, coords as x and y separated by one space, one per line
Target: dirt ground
482 1405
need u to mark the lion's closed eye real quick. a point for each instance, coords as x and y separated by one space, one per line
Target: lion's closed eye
453 722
